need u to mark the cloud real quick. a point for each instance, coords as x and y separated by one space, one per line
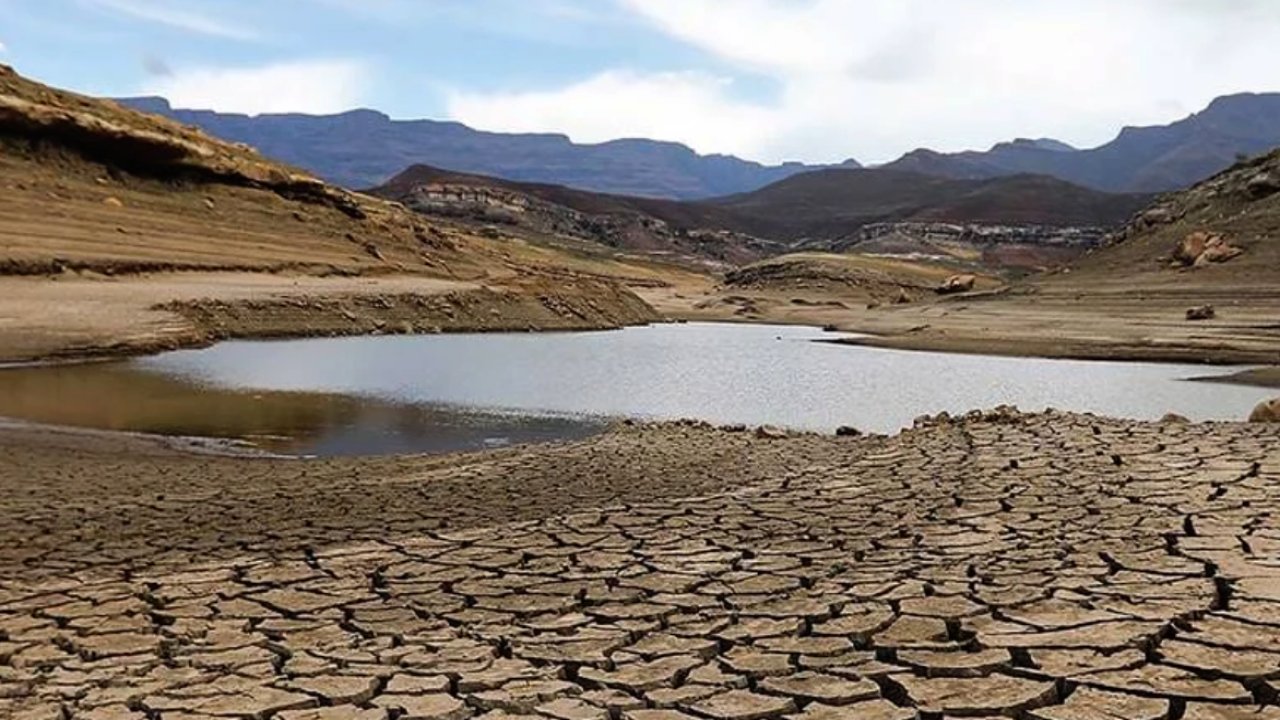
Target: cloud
691 107
308 86
875 78
3 48
167 13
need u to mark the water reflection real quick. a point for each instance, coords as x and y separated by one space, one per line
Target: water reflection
366 395
124 396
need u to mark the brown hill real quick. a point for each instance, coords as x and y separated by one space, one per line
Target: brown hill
834 203
95 195
1196 278
825 210
1240 204
689 233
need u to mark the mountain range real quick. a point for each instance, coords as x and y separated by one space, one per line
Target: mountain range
1140 159
364 148
828 209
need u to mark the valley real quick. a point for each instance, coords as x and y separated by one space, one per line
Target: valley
625 432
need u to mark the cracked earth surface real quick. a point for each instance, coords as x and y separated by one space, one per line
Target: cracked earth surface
1052 567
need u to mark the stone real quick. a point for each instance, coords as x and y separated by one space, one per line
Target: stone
1201 312
957 284
769 432
1266 412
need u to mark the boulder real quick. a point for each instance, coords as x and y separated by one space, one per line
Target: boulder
1191 248
1204 312
768 432
903 298
1201 248
112 202
1217 251
847 431
1174 419
1267 412
1156 216
957 284
1264 184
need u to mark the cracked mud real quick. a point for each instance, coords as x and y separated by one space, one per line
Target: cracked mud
1053 567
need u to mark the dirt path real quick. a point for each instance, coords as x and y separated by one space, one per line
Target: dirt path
1052 566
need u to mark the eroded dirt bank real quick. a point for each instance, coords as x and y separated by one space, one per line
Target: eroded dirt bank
1048 566
79 317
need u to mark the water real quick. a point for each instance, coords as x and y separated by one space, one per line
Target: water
348 395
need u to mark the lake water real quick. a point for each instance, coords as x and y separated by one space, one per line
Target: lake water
447 392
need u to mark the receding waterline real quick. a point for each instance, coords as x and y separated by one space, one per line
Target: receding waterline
530 386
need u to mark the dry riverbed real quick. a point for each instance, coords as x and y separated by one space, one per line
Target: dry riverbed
1049 566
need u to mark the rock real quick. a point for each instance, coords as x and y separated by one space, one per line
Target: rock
1191 248
768 432
1156 216
1172 418
1218 251
1267 412
830 328
1264 184
847 431
903 298
1203 312
957 284
1201 248
112 202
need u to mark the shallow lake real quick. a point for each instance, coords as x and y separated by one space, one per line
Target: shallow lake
367 395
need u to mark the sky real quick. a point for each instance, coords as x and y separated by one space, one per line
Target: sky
768 80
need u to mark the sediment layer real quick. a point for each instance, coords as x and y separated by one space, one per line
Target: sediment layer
1049 566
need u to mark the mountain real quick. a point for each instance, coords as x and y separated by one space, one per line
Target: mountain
551 214
364 148
835 203
894 212
1141 159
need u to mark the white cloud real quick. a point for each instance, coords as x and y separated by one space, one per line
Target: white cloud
691 107
167 13
875 78
3 48
308 86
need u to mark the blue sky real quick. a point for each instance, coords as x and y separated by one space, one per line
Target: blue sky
815 80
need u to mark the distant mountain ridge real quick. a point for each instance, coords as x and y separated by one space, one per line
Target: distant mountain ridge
1141 159
364 148
825 209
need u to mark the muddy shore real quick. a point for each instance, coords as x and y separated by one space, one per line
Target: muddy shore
1044 566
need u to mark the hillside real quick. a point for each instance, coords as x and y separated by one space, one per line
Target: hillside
1241 205
832 204
364 148
122 232
1141 159
1021 223
1194 278
542 213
